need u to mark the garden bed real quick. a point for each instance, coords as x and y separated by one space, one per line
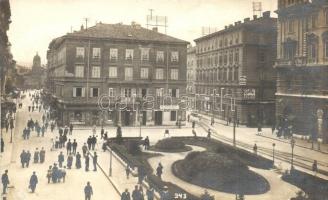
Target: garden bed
141 159
170 145
316 188
220 171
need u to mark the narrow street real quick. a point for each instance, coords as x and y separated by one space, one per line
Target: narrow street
75 179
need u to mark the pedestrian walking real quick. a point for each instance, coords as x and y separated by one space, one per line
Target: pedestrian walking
74 145
29 108
42 155
89 142
315 167
127 171
102 132
84 149
150 193
28 158
86 162
141 192
69 161
93 142
49 174
65 130
78 161
43 129
126 195
55 172
71 129
69 147
33 182
61 159
146 143
88 192
94 160
255 149
23 158
212 121
5 181
165 194
136 195
159 170
36 155
2 146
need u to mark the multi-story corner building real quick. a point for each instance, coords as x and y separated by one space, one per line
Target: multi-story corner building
191 69
302 59
107 74
236 64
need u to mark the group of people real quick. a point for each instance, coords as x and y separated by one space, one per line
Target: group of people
38 157
56 174
138 194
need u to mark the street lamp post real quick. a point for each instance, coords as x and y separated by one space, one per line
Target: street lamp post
273 145
11 130
292 143
110 162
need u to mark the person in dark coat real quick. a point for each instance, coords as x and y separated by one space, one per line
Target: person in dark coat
150 193
86 162
94 161
42 155
146 143
78 161
89 142
4 181
43 129
33 182
29 108
36 156
74 146
2 146
66 130
88 192
69 147
315 167
69 161
136 194
23 158
49 173
71 129
159 170
102 132
61 159
84 149
127 171
28 158
126 195
93 142
54 175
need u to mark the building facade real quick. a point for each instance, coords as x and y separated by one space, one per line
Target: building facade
302 59
191 70
117 74
235 71
35 79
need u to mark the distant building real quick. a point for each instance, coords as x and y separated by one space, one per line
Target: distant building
236 64
191 69
124 63
302 66
35 79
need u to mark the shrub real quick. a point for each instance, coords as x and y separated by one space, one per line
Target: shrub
170 144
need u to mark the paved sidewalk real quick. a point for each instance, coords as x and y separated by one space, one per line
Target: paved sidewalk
267 132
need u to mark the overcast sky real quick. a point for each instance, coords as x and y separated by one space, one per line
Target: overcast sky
36 22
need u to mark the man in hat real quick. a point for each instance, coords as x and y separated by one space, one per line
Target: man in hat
33 182
5 181
88 191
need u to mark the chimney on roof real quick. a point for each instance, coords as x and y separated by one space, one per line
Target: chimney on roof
246 19
82 27
266 14
155 29
254 17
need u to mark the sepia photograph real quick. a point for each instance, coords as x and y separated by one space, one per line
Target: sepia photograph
164 99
